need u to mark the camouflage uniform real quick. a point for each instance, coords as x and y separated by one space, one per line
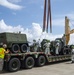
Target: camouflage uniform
47 48
35 45
57 48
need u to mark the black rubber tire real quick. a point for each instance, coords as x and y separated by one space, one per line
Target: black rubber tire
64 52
14 65
29 62
72 62
41 61
15 48
69 51
24 48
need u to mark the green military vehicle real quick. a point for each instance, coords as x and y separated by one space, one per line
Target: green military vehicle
19 57
16 42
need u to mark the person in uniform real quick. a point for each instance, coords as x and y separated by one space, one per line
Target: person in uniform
57 48
64 40
35 45
47 47
2 54
39 45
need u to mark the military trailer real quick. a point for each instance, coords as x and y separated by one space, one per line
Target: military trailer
17 59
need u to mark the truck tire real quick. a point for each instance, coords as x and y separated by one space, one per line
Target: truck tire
29 62
14 64
69 51
41 61
24 48
64 52
15 48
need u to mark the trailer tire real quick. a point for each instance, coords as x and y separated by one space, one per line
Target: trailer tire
15 48
24 48
41 61
14 64
29 62
64 51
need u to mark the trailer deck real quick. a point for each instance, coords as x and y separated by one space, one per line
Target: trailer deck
50 58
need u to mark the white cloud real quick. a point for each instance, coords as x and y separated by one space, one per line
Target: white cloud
9 28
15 1
37 29
33 33
71 39
9 5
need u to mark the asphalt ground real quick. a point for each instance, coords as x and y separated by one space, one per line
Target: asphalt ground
60 68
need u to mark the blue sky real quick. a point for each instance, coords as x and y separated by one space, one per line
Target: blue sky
27 14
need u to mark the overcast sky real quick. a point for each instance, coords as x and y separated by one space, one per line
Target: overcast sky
27 16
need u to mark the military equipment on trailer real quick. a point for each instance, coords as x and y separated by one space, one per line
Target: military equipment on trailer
14 60
15 41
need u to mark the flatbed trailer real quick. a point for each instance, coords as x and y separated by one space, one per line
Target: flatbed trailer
15 61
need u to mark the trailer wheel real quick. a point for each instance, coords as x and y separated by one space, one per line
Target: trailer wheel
69 51
15 48
41 61
23 48
64 51
29 62
14 64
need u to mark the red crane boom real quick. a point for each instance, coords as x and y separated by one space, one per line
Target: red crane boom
46 16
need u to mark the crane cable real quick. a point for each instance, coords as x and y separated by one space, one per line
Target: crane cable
71 23
46 16
49 14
